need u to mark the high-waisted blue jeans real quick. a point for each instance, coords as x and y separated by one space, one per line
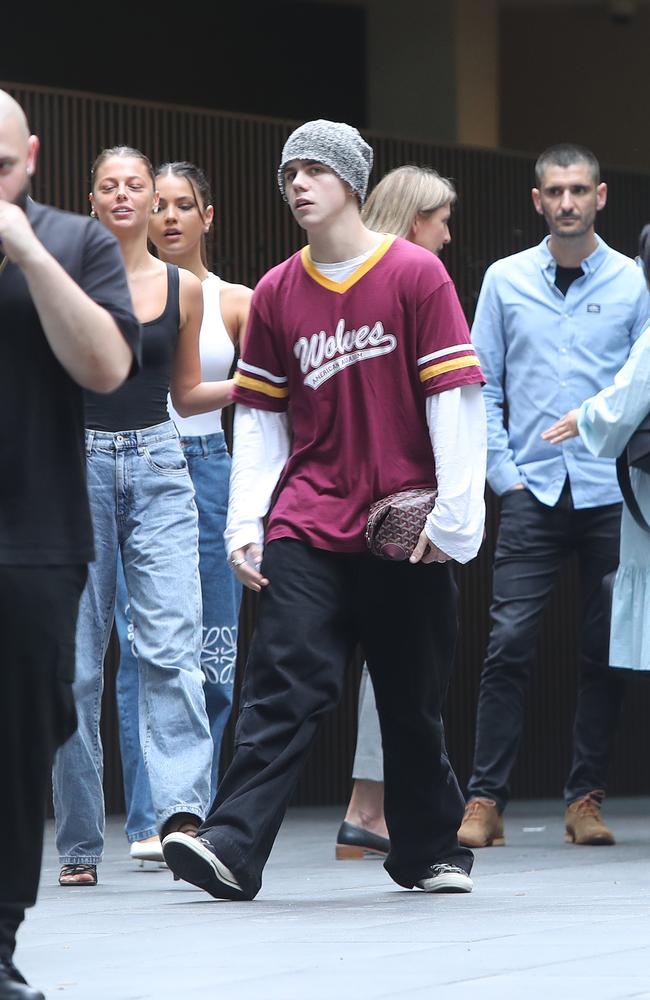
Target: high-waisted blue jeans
142 505
209 466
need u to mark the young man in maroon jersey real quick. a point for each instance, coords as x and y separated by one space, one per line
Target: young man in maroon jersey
361 341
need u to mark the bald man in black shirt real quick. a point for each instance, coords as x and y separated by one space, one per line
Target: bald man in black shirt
66 324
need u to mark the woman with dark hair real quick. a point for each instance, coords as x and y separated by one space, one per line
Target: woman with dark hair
605 422
178 231
143 509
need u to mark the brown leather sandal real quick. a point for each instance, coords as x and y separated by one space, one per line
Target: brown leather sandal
70 871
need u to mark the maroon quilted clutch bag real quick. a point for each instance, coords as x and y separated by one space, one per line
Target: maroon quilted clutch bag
395 522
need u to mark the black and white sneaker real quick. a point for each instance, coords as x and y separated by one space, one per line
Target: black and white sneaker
445 878
194 860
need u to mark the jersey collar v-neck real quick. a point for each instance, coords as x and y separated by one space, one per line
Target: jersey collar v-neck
357 274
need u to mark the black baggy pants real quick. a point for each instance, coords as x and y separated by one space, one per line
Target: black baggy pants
317 606
38 615
533 541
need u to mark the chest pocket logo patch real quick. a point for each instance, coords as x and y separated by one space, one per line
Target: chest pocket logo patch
593 307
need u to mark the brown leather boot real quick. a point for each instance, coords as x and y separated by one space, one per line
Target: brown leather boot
584 824
482 826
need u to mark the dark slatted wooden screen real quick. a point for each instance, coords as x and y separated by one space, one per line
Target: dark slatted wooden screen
494 217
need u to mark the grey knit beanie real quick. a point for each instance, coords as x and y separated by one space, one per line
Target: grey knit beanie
335 144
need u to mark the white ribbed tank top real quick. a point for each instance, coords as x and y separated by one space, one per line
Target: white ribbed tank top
217 353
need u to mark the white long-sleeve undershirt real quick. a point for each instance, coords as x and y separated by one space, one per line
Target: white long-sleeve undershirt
260 451
458 431
457 427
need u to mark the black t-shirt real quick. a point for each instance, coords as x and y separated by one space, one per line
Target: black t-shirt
142 401
44 513
565 276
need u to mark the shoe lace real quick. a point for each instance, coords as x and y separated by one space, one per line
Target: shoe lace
445 869
475 806
589 804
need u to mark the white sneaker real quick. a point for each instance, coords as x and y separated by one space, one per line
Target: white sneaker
446 878
147 850
194 859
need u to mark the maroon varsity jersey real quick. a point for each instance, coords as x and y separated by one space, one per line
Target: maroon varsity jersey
352 363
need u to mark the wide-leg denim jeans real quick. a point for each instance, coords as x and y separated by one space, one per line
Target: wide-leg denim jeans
209 466
142 504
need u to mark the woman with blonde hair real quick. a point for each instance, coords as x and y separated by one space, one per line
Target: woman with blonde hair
414 203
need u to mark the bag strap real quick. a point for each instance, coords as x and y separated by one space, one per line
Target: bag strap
623 474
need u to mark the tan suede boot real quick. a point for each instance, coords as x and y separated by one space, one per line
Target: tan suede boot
482 826
584 824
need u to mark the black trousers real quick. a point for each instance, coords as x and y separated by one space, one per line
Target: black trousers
38 615
533 540
317 606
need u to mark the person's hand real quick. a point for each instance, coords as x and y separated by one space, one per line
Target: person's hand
566 427
17 238
517 486
425 551
245 564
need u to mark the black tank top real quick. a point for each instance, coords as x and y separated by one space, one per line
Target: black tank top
142 400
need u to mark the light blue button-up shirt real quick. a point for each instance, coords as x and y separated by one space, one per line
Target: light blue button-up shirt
543 354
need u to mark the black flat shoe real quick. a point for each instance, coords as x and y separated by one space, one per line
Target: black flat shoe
13 985
353 842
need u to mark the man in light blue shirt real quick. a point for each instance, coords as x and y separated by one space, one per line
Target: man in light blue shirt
553 325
